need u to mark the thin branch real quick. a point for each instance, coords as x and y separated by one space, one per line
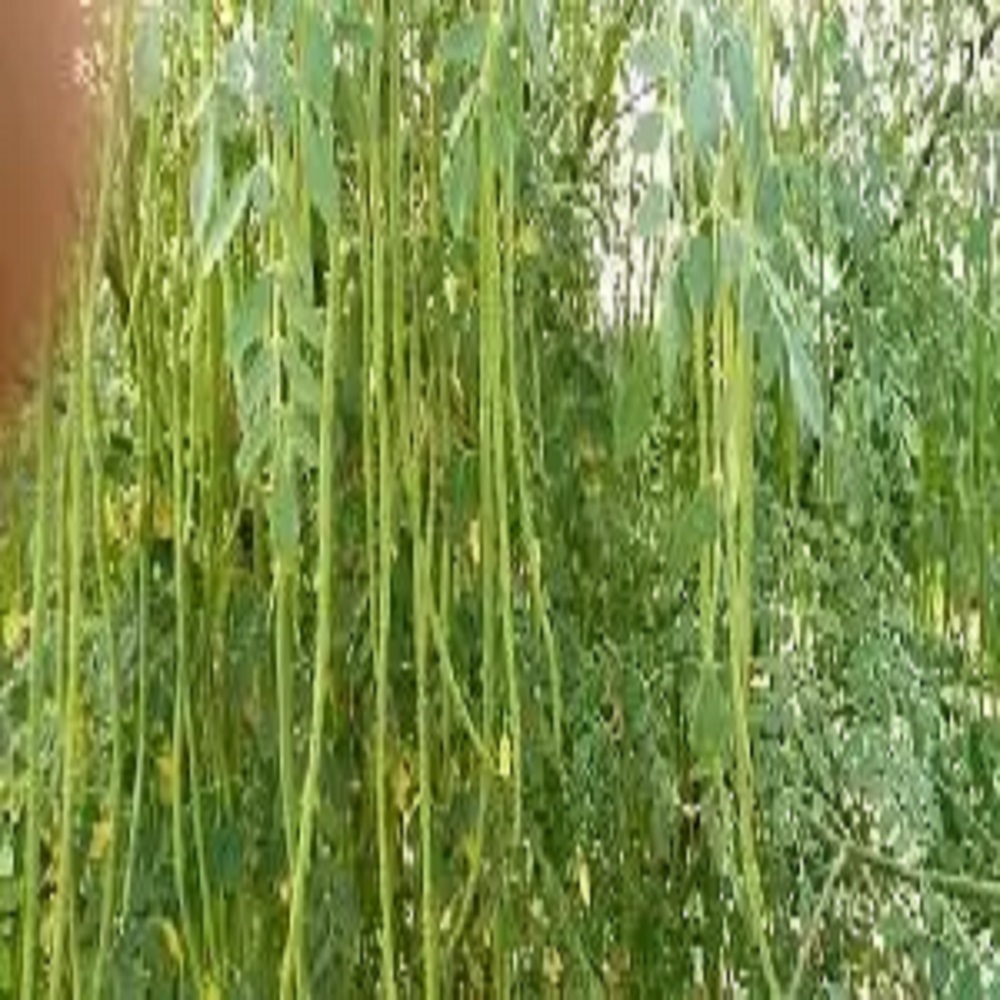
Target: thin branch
812 934
964 886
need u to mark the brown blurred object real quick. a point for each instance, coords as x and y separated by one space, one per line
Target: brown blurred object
42 131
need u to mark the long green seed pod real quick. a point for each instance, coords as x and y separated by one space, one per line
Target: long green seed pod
181 636
324 622
141 321
40 587
69 716
408 399
739 469
380 641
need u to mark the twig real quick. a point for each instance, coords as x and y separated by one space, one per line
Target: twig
809 941
966 886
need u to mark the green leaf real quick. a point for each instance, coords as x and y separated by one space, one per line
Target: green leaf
968 980
652 213
254 443
652 56
349 109
674 325
302 380
759 322
978 242
710 722
697 526
355 29
257 387
204 177
461 180
285 509
635 396
303 317
702 112
770 200
805 385
303 435
648 133
699 272
273 88
237 69
147 59
318 62
6 859
940 968
537 38
320 167
465 42
7 966
787 312
226 852
732 252
263 196
506 107
740 74
247 327
227 221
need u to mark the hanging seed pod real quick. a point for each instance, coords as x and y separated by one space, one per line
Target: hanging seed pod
41 147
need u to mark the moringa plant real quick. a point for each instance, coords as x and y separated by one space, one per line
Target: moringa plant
509 511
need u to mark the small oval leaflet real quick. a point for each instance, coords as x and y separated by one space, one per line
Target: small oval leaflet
648 133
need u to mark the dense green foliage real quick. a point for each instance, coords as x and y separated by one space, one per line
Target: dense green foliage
513 511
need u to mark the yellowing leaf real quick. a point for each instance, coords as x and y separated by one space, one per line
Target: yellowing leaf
451 290
100 840
530 243
552 966
165 776
6 860
583 878
171 940
506 757
15 630
474 546
118 518
163 519
402 784
210 989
